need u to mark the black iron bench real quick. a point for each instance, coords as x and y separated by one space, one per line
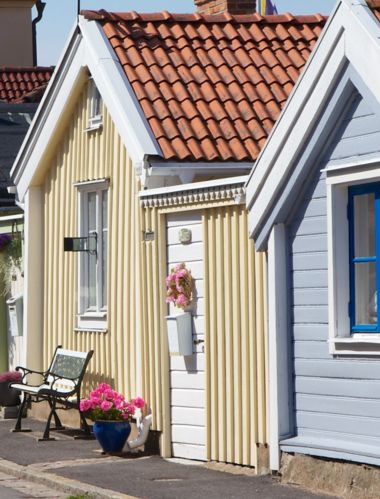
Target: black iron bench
60 388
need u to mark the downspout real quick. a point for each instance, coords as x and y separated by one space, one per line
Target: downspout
40 6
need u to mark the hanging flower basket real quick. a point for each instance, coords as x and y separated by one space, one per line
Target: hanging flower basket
179 285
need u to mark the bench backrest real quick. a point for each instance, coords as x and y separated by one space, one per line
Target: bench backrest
68 364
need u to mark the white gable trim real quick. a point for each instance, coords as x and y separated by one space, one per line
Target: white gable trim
46 119
351 26
117 93
87 48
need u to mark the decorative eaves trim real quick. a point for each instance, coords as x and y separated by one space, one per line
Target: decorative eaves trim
227 192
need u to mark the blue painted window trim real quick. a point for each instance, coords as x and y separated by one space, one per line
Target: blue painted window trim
352 192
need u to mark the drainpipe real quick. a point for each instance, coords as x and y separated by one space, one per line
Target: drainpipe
40 6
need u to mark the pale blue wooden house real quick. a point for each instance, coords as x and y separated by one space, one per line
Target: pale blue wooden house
314 207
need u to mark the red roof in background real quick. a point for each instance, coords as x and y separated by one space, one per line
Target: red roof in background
18 85
211 87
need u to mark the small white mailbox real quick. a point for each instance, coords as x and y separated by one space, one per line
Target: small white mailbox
15 308
180 334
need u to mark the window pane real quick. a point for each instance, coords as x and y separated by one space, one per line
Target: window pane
104 209
91 269
365 293
364 220
91 291
104 269
92 211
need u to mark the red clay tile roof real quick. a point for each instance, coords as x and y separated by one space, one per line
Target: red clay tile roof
211 87
18 85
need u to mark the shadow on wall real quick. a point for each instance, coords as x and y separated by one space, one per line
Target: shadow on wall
91 380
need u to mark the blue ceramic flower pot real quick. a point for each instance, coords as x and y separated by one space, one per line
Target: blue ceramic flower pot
111 435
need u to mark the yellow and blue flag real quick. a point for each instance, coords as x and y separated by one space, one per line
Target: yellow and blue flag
267 7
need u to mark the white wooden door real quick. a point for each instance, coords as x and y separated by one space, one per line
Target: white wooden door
187 377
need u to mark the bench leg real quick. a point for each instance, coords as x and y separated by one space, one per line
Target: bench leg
21 410
57 421
46 435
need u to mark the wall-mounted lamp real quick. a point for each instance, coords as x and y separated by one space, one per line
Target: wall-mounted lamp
88 244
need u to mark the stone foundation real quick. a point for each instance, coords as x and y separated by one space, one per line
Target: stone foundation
340 478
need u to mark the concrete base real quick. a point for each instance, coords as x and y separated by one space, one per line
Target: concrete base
339 478
9 412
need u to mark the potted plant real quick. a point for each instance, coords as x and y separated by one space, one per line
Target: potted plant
112 415
9 396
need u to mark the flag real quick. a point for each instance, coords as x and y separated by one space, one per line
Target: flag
267 7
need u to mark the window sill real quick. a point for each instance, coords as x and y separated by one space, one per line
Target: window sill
90 330
92 321
94 127
358 344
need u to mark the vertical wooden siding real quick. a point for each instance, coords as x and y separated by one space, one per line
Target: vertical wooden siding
89 156
154 348
235 333
235 338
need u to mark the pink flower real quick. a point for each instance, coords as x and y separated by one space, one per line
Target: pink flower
182 300
106 405
84 405
138 402
109 394
102 387
95 402
129 408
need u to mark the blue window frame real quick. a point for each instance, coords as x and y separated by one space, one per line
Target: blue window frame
364 254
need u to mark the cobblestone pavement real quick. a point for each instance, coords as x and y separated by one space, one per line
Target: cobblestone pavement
17 488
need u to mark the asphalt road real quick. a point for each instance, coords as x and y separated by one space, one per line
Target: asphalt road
144 477
155 478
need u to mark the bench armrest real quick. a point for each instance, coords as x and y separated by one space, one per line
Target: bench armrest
25 371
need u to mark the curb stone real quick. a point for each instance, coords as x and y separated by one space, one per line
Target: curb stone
62 484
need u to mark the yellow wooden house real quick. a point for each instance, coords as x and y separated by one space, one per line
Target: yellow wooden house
148 129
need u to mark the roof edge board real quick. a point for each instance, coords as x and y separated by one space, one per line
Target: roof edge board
118 94
298 83
311 158
274 169
194 186
31 153
293 126
223 165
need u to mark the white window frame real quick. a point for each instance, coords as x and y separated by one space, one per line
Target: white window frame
95 114
91 319
338 180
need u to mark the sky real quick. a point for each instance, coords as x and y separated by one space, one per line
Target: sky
59 17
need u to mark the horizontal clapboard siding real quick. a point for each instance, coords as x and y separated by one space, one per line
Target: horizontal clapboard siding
187 374
359 133
334 398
